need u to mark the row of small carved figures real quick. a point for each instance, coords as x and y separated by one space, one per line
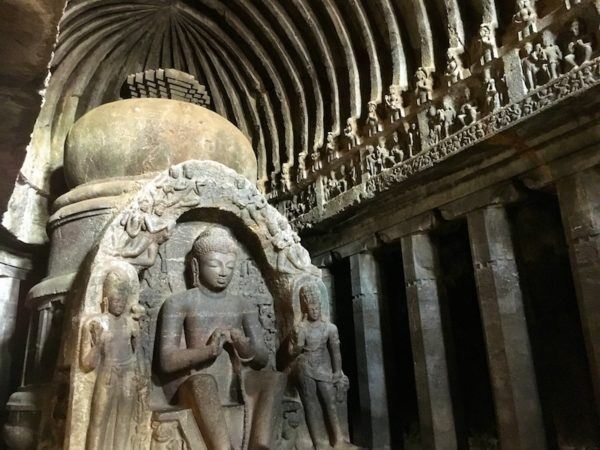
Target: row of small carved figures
541 62
543 59
377 159
387 153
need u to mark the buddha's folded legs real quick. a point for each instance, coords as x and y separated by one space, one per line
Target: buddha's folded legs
263 396
201 394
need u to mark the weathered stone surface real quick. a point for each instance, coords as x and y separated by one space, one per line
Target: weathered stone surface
29 29
194 251
421 270
139 136
580 210
373 422
518 411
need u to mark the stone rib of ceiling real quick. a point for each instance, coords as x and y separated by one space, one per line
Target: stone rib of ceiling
286 72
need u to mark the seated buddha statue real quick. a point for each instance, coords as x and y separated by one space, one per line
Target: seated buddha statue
212 342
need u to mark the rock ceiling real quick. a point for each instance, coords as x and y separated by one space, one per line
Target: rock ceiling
286 72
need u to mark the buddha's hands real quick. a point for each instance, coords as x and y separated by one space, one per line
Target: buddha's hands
218 339
241 343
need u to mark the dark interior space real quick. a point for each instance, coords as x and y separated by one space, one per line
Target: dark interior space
555 328
467 360
340 271
398 360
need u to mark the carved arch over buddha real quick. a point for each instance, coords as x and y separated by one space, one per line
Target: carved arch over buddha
206 190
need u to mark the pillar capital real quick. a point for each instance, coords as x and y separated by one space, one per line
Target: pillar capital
422 223
496 195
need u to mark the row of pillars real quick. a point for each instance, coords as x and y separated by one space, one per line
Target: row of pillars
510 360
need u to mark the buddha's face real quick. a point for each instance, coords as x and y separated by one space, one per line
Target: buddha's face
216 269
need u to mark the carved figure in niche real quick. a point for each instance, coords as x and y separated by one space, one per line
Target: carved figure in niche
448 117
423 86
146 230
249 200
530 65
525 17
435 119
413 139
394 102
224 347
397 153
331 147
329 186
454 66
578 50
383 154
371 161
274 182
109 343
285 178
317 163
350 133
552 56
301 170
353 173
165 436
373 123
492 96
342 180
179 189
468 114
311 196
321 382
291 256
486 44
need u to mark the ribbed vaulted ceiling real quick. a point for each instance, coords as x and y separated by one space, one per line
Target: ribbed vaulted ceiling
285 72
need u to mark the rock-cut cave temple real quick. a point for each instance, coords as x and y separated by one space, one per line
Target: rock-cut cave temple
300 224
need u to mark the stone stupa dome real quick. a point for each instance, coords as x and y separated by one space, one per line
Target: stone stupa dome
140 136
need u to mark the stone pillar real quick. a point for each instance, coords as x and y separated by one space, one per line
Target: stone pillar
13 269
421 270
327 278
518 411
374 421
579 197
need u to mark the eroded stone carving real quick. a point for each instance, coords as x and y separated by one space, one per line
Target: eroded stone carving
525 18
423 86
321 382
486 44
350 133
393 101
331 147
109 346
550 56
454 66
579 48
373 122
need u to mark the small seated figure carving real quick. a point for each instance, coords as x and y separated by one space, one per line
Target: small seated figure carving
213 320
322 384
108 346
